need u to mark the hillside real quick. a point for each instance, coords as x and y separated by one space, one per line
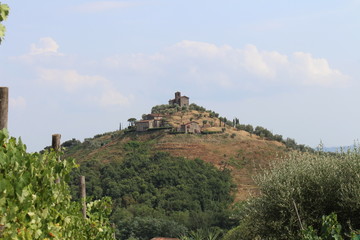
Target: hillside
244 153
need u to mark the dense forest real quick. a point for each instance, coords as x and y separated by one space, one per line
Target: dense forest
160 195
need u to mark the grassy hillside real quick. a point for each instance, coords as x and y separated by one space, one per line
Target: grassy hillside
244 153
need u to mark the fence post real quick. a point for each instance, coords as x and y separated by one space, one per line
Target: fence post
4 107
55 144
83 195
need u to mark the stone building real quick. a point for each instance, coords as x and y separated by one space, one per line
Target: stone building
190 127
153 116
182 101
144 125
150 121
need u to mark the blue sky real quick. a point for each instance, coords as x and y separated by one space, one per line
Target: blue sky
79 68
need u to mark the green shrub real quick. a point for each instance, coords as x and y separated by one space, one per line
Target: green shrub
34 205
203 234
165 109
144 228
314 184
193 106
330 229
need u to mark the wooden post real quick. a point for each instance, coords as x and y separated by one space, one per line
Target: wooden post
83 195
4 107
55 144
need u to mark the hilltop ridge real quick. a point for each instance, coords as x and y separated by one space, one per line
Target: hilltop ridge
191 131
242 152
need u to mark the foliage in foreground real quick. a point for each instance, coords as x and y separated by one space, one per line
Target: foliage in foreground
4 12
34 206
156 194
305 186
330 229
203 234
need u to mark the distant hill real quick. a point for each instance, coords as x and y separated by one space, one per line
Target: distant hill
224 146
337 149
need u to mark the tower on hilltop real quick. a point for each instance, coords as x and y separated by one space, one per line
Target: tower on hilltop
182 101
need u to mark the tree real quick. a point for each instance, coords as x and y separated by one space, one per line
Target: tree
221 119
249 128
132 121
299 191
236 121
4 12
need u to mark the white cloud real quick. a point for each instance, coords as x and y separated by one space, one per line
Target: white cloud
100 6
198 49
316 71
70 80
255 63
137 63
46 45
225 66
46 59
18 102
45 50
110 97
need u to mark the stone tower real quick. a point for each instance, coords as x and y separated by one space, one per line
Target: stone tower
182 101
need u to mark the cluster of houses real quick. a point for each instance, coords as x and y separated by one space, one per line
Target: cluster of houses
154 121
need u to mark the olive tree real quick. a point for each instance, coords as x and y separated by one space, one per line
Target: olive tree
298 191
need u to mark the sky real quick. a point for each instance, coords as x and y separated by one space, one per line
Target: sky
80 68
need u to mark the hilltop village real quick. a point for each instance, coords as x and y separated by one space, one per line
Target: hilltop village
181 117
155 121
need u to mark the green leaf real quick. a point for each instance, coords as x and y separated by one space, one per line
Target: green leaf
4 11
38 233
2 31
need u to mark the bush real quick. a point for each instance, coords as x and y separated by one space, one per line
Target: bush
144 228
193 106
263 132
71 143
249 128
164 109
330 229
314 184
34 205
